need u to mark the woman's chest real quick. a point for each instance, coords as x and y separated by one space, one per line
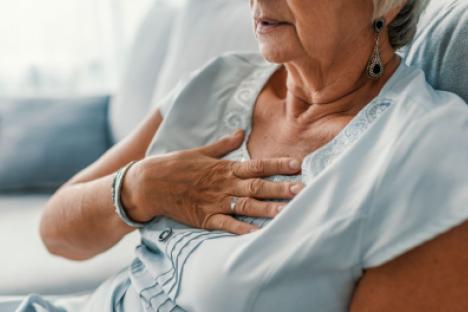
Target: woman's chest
276 134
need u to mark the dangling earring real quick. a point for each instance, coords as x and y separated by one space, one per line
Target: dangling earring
375 67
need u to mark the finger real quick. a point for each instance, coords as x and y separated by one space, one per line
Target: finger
223 146
229 224
263 189
266 167
255 208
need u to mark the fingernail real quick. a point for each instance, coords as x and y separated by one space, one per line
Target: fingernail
253 230
295 164
296 188
280 208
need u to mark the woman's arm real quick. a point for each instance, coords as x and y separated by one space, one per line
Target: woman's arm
79 220
432 277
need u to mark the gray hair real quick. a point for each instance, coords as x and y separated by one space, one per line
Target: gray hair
402 29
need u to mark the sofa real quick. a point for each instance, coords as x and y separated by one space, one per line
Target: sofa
172 41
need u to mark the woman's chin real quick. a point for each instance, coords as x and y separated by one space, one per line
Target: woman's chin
276 53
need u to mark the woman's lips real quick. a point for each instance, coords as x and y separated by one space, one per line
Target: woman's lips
264 26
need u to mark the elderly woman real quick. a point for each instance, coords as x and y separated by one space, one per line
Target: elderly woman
342 190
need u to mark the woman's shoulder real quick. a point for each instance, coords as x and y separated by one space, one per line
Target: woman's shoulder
425 118
211 102
218 76
413 94
421 192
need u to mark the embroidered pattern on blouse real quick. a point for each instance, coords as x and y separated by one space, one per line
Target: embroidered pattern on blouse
238 108
324 156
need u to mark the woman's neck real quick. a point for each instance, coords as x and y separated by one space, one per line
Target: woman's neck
310 95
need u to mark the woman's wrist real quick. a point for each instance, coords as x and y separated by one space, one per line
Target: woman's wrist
130 199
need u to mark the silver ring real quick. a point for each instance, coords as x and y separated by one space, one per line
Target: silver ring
233 203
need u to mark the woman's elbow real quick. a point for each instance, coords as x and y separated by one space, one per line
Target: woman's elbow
54 240
57 247
48 233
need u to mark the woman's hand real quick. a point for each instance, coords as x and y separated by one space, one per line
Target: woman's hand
195 187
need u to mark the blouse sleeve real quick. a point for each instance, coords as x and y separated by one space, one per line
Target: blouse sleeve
424 191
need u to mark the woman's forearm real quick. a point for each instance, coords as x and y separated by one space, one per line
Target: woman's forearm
79 221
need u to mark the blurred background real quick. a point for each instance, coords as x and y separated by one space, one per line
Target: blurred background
65 46
76 77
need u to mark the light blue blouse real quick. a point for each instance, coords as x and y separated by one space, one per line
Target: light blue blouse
391 180
372 194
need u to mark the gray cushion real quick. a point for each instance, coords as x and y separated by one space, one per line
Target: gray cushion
441 46
43 142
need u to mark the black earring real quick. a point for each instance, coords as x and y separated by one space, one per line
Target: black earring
375 67
379 24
